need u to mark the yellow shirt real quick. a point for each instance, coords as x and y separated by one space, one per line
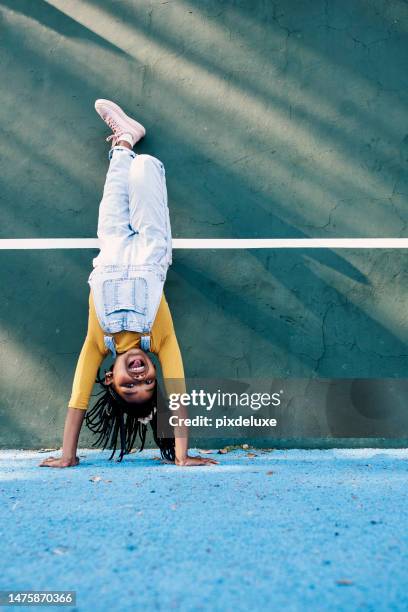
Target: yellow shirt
163 343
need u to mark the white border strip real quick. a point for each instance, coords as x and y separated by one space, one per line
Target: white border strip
218 243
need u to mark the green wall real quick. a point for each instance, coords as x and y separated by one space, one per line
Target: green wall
281 119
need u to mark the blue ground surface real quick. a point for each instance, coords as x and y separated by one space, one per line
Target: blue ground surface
317 530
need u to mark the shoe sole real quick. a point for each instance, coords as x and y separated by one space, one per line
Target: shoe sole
132 123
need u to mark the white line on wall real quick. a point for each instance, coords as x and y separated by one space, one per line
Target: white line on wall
218 243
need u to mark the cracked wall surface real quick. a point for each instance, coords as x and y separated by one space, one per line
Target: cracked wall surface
273 119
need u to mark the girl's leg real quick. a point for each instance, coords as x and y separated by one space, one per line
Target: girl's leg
113 219
149 213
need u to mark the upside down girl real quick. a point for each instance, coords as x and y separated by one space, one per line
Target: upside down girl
128 312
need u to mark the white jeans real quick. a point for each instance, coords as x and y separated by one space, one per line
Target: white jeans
135 243
134 223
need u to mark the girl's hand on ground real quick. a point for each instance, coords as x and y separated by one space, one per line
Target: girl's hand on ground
191 461
59 462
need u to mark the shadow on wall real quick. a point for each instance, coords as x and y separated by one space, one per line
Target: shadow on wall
273 120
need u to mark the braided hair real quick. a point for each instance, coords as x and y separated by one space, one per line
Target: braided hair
111 416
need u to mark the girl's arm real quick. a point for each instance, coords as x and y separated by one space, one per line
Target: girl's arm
73 424
173 377
173 374
90 359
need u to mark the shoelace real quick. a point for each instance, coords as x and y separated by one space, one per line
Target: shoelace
114 138
117 132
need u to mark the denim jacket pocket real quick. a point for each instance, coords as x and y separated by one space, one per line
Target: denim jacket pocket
125 294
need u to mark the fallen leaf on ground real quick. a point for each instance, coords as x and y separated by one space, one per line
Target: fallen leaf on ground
230 447
95 478
344 582
251 455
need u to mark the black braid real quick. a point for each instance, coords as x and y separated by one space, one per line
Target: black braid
111 415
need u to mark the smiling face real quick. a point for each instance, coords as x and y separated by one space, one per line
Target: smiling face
133 377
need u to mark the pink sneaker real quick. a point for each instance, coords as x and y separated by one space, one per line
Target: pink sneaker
118 122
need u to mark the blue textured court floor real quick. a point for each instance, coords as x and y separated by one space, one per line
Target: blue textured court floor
300 529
